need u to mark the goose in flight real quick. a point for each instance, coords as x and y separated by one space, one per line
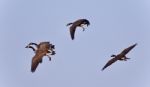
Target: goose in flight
42 49
121 56
77 23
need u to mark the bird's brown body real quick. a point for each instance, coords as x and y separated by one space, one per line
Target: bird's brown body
77 23
121 56
43 49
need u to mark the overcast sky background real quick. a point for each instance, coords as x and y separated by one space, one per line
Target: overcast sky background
115 25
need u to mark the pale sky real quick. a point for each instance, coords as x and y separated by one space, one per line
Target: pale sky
115 25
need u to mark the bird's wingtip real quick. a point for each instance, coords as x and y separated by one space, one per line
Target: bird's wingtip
136 43
32 71
102 69
72 38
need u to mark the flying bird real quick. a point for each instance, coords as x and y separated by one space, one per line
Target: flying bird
77 23
121 56
42 49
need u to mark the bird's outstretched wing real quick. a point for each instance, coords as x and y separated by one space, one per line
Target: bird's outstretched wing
111 61
125 51
36 60
72 31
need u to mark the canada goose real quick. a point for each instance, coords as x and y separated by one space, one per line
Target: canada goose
44 44
42 49
77 23
121 56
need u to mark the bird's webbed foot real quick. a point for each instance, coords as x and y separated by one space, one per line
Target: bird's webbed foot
49 58
128 58
48 55
83 28
53 53
41 61
125 58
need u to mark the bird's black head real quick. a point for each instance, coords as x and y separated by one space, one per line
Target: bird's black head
113 55
28 46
